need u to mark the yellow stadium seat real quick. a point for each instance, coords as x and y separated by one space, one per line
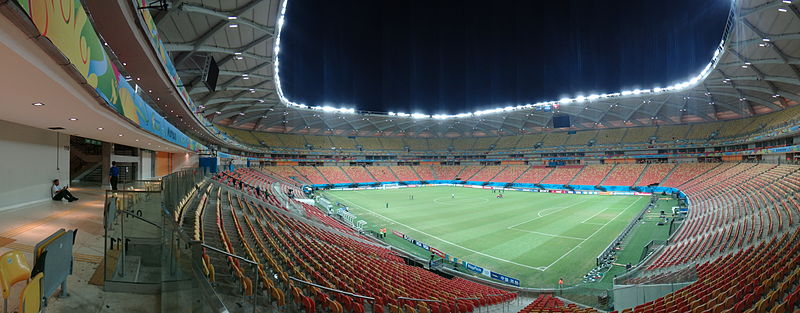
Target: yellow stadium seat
14 268
31 299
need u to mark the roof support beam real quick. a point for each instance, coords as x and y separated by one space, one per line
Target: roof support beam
214 30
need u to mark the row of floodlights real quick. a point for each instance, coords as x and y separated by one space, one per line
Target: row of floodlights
548 104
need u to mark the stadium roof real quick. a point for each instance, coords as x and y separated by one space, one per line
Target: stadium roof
755 70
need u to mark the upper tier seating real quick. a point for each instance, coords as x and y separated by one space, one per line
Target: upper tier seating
655 173
335 175
405 173
319 142
485 143
416 144
702 131
668 133
639 135
392 143
463 144
369 143
508 142
555 139
624 175
592 175
562 175
610 136
580 138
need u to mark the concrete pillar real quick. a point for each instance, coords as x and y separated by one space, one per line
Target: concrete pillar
106 151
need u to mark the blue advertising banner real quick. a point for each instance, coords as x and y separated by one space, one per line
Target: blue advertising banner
473 267
505 279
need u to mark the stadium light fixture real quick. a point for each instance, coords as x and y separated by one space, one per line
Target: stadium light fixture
547 105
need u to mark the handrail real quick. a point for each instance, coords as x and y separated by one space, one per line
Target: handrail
330 289
228 254
141 218
421 300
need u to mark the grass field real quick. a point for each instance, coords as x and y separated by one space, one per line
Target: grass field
534 237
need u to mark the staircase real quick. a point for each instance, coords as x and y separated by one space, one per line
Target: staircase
669 174
576 176
395 174
646 167
523 173
602 181
321 175
348 175
498 173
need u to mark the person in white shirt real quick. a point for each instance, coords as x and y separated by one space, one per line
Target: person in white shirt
58 192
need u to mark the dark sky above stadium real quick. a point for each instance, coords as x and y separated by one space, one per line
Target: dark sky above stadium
433 56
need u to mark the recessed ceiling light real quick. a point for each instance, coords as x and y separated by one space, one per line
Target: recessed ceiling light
73 118
38 104
99 128
137 140
233 17
120 135
124 63
233 25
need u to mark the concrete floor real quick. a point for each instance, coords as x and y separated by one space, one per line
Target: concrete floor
21 228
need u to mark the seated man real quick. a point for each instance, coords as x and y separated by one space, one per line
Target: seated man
58 192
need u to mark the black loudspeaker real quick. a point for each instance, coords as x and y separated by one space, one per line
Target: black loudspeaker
211 74
561 121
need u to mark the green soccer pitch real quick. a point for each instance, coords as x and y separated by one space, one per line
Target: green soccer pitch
534 237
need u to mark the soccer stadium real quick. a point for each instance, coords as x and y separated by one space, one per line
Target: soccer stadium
400 156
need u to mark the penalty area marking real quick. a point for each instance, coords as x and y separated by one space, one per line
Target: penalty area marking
538 268
591 217
539 214
594 233
546 234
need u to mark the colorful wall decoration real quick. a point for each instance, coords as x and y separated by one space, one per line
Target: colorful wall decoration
66 25
163 55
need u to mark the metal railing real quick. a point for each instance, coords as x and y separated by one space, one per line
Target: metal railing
254 264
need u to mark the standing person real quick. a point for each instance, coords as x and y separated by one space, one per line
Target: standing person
113 175
58 192
452 196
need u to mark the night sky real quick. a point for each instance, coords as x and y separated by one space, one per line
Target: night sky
459 56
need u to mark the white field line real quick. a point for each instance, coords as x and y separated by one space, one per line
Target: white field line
548 235
552 211
596 214
594 233
446 241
